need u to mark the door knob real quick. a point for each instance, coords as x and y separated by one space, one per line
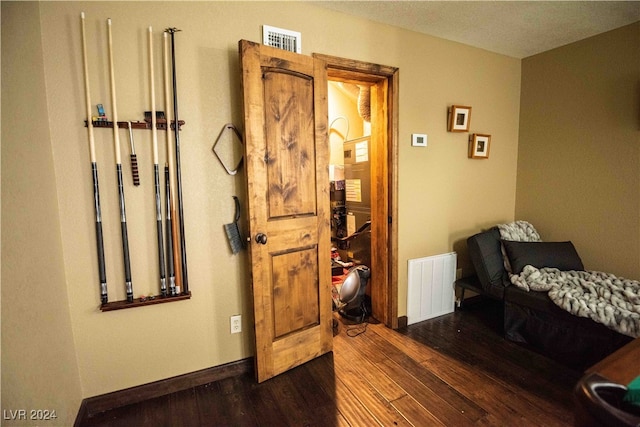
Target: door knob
261 238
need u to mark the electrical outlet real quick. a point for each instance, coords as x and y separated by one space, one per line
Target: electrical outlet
236 324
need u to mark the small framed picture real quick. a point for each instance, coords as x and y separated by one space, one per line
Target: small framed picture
479 145
459 118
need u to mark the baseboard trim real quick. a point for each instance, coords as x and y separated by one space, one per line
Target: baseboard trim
403 321
104 402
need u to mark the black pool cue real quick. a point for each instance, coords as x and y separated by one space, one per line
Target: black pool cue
167 176
116 146
94 170
183 249
156 171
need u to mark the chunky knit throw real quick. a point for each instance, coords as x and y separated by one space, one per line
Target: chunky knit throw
603 297
519 231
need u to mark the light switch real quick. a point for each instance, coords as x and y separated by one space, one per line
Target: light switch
419 140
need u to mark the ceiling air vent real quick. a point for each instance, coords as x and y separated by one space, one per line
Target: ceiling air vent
282 39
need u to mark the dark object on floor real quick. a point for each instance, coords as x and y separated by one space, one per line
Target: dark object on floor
349 299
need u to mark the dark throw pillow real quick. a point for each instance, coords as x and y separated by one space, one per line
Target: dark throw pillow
560 255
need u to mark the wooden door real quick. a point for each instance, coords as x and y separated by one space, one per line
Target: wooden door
287 159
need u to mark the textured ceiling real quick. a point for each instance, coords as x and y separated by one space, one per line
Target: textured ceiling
514 28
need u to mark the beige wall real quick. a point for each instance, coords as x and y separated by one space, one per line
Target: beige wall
39 367
578 160
444 196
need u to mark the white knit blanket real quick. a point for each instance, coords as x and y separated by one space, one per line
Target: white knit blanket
602 297
519 231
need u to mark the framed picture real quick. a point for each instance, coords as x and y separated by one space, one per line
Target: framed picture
479 145
459 118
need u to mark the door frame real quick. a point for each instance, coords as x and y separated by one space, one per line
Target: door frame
385 80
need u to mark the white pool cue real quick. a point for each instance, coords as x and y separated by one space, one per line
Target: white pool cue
94 170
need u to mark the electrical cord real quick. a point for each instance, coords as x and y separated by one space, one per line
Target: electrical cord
354 331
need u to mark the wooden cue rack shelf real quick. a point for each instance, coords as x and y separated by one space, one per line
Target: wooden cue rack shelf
161 124
158 299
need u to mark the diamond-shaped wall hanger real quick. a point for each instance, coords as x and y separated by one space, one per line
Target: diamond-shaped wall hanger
228 148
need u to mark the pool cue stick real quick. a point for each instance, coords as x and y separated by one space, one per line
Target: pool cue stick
156 172
170 269
94 170
116 146
167 174
183 249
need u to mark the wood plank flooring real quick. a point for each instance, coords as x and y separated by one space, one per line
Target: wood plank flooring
455 370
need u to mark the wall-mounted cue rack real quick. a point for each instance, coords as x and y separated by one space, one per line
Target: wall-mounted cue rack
174 283
161 124
137 302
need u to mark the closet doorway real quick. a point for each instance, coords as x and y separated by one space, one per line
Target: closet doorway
370 141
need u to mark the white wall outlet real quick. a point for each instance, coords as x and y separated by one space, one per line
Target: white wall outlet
418 139
236 324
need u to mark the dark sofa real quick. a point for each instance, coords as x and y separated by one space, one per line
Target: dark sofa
531 317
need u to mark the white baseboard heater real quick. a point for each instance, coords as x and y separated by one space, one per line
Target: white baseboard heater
431 289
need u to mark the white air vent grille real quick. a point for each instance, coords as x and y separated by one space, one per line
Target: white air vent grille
282 39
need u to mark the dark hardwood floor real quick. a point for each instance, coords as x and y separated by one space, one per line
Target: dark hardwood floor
454 370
